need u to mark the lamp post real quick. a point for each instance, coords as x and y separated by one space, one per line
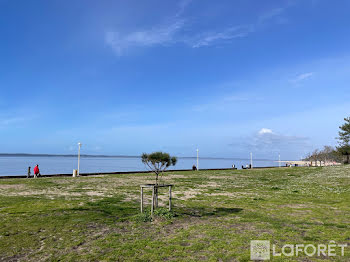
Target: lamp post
279 160
79 144
197 160
251 160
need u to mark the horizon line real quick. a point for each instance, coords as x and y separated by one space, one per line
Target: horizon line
126 156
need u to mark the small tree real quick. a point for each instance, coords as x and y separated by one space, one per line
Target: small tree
315 155
158 162
328 153
344 139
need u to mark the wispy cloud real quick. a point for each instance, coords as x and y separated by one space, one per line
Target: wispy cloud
159 35
91 149
240 31
4 122
174 30
271 14
302 77
209 38
182 6
226 102
167 34
213 37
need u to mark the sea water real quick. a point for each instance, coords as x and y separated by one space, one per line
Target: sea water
18 165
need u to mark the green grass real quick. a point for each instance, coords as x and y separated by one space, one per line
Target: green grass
215 215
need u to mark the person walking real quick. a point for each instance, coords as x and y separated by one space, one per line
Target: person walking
36 171
28 174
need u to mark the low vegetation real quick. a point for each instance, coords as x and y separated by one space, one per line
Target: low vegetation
340 154
216 214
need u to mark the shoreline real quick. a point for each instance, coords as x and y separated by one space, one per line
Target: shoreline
131 172
124 156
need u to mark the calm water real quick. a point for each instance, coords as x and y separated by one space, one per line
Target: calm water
64 165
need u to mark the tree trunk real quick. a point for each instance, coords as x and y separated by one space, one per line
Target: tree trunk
157 174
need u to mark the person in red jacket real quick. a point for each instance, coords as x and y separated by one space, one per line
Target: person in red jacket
36 171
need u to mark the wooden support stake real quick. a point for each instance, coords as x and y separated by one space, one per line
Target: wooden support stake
156 195
169 198
141 199
152 207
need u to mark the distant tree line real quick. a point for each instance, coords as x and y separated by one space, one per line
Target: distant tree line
327 154
344 140
339 154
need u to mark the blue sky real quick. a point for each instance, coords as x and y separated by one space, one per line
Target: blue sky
126 77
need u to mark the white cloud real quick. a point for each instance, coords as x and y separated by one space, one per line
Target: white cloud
265 131
266 142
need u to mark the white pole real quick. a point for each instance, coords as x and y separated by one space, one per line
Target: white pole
197 160
251 160
279 160
79 144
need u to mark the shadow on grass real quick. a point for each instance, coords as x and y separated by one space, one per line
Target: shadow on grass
115 208
111 207
207 212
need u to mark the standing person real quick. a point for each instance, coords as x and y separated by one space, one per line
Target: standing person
36 171
28 174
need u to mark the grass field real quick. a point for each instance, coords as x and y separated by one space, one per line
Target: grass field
216 214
